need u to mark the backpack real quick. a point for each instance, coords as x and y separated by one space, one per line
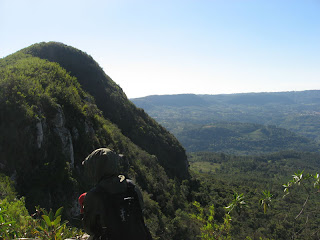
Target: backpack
124 215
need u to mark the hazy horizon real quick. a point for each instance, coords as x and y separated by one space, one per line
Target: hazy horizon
177 47
225 93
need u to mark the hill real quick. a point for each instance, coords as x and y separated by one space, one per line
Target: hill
180 100
243 139
112 101
57 105
296 112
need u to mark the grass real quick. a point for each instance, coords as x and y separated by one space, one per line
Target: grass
204 167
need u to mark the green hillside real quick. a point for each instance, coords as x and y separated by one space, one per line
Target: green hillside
112 101
296 112
57 105
243 139
292 216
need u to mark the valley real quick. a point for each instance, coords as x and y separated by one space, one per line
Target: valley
209 166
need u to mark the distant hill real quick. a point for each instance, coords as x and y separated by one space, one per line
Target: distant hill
243 139
297 112
260 99
180 100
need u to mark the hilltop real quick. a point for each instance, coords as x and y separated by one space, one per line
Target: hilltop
112 101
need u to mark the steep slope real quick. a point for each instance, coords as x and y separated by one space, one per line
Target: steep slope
49 123
111 100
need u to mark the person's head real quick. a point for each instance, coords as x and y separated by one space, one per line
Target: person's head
101 163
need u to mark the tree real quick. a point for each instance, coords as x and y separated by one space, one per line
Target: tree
265 201
237 203
210 229
308 181
310 185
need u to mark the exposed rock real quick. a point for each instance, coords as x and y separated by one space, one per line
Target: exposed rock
64 134
59 119
88 129
75 133
39 134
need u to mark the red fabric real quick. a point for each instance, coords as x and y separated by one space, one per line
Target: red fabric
81 199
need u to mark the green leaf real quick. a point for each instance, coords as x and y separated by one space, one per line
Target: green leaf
44 211
57 221
39 228
51 217
58 212
59 233
47 220
7 223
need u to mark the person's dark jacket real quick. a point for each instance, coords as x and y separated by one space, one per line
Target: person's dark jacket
102 167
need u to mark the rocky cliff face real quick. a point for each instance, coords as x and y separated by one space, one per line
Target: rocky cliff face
64 135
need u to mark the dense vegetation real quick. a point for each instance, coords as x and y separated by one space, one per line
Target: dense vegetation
112 101
15 221
262 180
49 123
251 186
57 105
243 139
297 112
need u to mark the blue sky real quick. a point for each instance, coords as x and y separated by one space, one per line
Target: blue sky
171 47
